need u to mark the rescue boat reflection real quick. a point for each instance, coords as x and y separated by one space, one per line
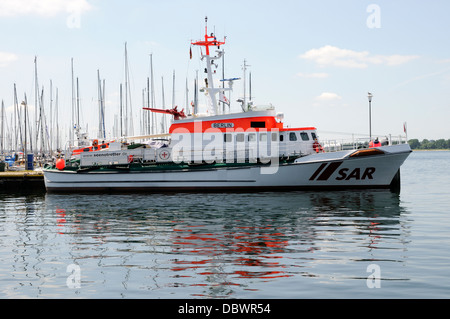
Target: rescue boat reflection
253 250
266 245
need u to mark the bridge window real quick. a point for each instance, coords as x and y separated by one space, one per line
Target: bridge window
240 137
304 136
251 137
314 136
281 137
227 137
258 124
262 137
274 137
292 136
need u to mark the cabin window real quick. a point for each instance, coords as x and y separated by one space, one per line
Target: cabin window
240 137
292 136
281 137
86 149
227 137
304 136
262 137
251 137
274 137
258 124
314 136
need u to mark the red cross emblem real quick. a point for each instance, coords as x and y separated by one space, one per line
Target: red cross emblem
164 155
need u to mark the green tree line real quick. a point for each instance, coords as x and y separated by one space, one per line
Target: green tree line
429 144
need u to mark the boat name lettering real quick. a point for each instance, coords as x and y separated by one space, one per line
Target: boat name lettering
222 125
107 154
356 174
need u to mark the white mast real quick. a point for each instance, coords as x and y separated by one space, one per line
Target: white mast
212 91
163 105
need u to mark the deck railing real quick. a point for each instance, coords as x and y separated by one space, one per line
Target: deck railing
351 143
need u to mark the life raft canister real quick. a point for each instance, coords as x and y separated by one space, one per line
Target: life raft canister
375 143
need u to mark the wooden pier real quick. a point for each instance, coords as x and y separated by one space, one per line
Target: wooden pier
13 181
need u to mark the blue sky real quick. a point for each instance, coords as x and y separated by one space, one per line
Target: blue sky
314 61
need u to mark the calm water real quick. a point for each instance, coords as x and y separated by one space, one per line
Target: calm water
364 244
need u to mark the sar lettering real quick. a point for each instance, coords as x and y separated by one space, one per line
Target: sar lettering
355 174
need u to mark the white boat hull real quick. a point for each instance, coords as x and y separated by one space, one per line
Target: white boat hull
322 171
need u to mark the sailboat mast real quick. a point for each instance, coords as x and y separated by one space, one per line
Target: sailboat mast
25 106
245 89
51 118
2 129
126 90
148 115
36 103
72 128
57 121
195 110
151 99
163 97
78 107
121 111
250 86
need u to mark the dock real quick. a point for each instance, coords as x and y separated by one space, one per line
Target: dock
13 181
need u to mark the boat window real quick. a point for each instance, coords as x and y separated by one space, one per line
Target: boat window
262 137
313 135
292 136
304 136
251 137
258 124
274 137
227 137
240 137
86 149
281 137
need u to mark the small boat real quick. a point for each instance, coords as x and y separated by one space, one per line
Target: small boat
96 146
250 150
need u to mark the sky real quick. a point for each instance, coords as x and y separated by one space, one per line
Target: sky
315 61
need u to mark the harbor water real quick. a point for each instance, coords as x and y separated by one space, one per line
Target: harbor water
290 245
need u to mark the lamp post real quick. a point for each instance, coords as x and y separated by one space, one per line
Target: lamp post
369 95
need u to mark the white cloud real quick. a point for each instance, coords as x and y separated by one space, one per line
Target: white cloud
313 75
45 8
7 58
333 56
327 97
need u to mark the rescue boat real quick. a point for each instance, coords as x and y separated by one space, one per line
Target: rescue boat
250 150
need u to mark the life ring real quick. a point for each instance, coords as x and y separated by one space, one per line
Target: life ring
95 143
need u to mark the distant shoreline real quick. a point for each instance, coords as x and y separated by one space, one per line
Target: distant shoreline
436 150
